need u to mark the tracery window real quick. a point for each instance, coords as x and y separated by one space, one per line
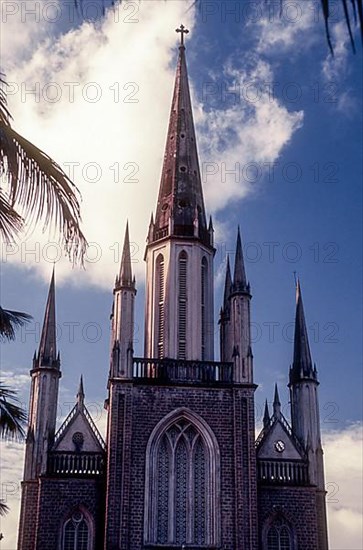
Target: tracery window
76 532
182 304
181 504
279 536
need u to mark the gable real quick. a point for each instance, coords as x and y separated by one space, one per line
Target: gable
277 433
78 423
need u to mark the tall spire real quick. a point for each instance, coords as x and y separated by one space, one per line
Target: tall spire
266 417
239 277
276 403
302 366
227 286
125 275
180 198
47 354
80 393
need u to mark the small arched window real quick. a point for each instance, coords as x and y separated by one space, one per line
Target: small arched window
279 535
159 305
76 532
182 304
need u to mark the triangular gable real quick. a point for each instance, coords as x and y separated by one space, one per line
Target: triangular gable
270 444
78 422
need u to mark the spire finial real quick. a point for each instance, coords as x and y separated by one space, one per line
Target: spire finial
80 393
47 354
182 31
302 363
125 276
266 417
227 285
239 276
276 403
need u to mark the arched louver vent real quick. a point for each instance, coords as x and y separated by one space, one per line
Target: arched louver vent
204 275
182 305
160 297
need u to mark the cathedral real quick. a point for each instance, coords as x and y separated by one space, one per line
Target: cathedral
181 467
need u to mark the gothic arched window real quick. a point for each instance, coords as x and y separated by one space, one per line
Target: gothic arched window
203 293
76 532
159 305
182 304
182 477
279 535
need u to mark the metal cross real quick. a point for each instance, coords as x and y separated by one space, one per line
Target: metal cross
182 31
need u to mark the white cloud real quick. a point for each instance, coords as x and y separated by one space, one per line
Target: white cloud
131 62
280 30
344 466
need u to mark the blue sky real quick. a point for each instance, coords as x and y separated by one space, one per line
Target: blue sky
270 104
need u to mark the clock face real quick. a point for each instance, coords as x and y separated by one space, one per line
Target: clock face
279 446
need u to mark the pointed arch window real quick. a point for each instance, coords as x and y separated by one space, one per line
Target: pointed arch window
160 309
182 476
182 304
76 532
204 290
279 535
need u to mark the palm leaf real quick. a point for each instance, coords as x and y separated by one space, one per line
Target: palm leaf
38 187
12 416
10 221
10 321
4 508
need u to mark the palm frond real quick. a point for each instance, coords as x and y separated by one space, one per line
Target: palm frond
10 321
38 187
347 19
12 416
4 508
10 221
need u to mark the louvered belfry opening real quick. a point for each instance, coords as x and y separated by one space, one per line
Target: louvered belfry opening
160 301
182 304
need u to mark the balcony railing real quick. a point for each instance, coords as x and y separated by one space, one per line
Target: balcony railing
282 472
76 464
185 372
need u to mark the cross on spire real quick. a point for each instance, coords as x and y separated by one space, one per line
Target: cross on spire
182 31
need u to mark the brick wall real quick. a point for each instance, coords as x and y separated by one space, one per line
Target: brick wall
298 504
28 515
134 412
57 499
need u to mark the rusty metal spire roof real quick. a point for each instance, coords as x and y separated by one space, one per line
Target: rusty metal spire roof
180 209
47 354
302 366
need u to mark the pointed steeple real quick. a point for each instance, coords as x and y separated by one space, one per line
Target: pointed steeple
276 403
302 366
125 275
240 283
227 286
266 417
180 199
47 353
80 393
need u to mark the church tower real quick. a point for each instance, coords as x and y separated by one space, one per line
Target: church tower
179 253
45 374
122 317
305 411
235 319
181 465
